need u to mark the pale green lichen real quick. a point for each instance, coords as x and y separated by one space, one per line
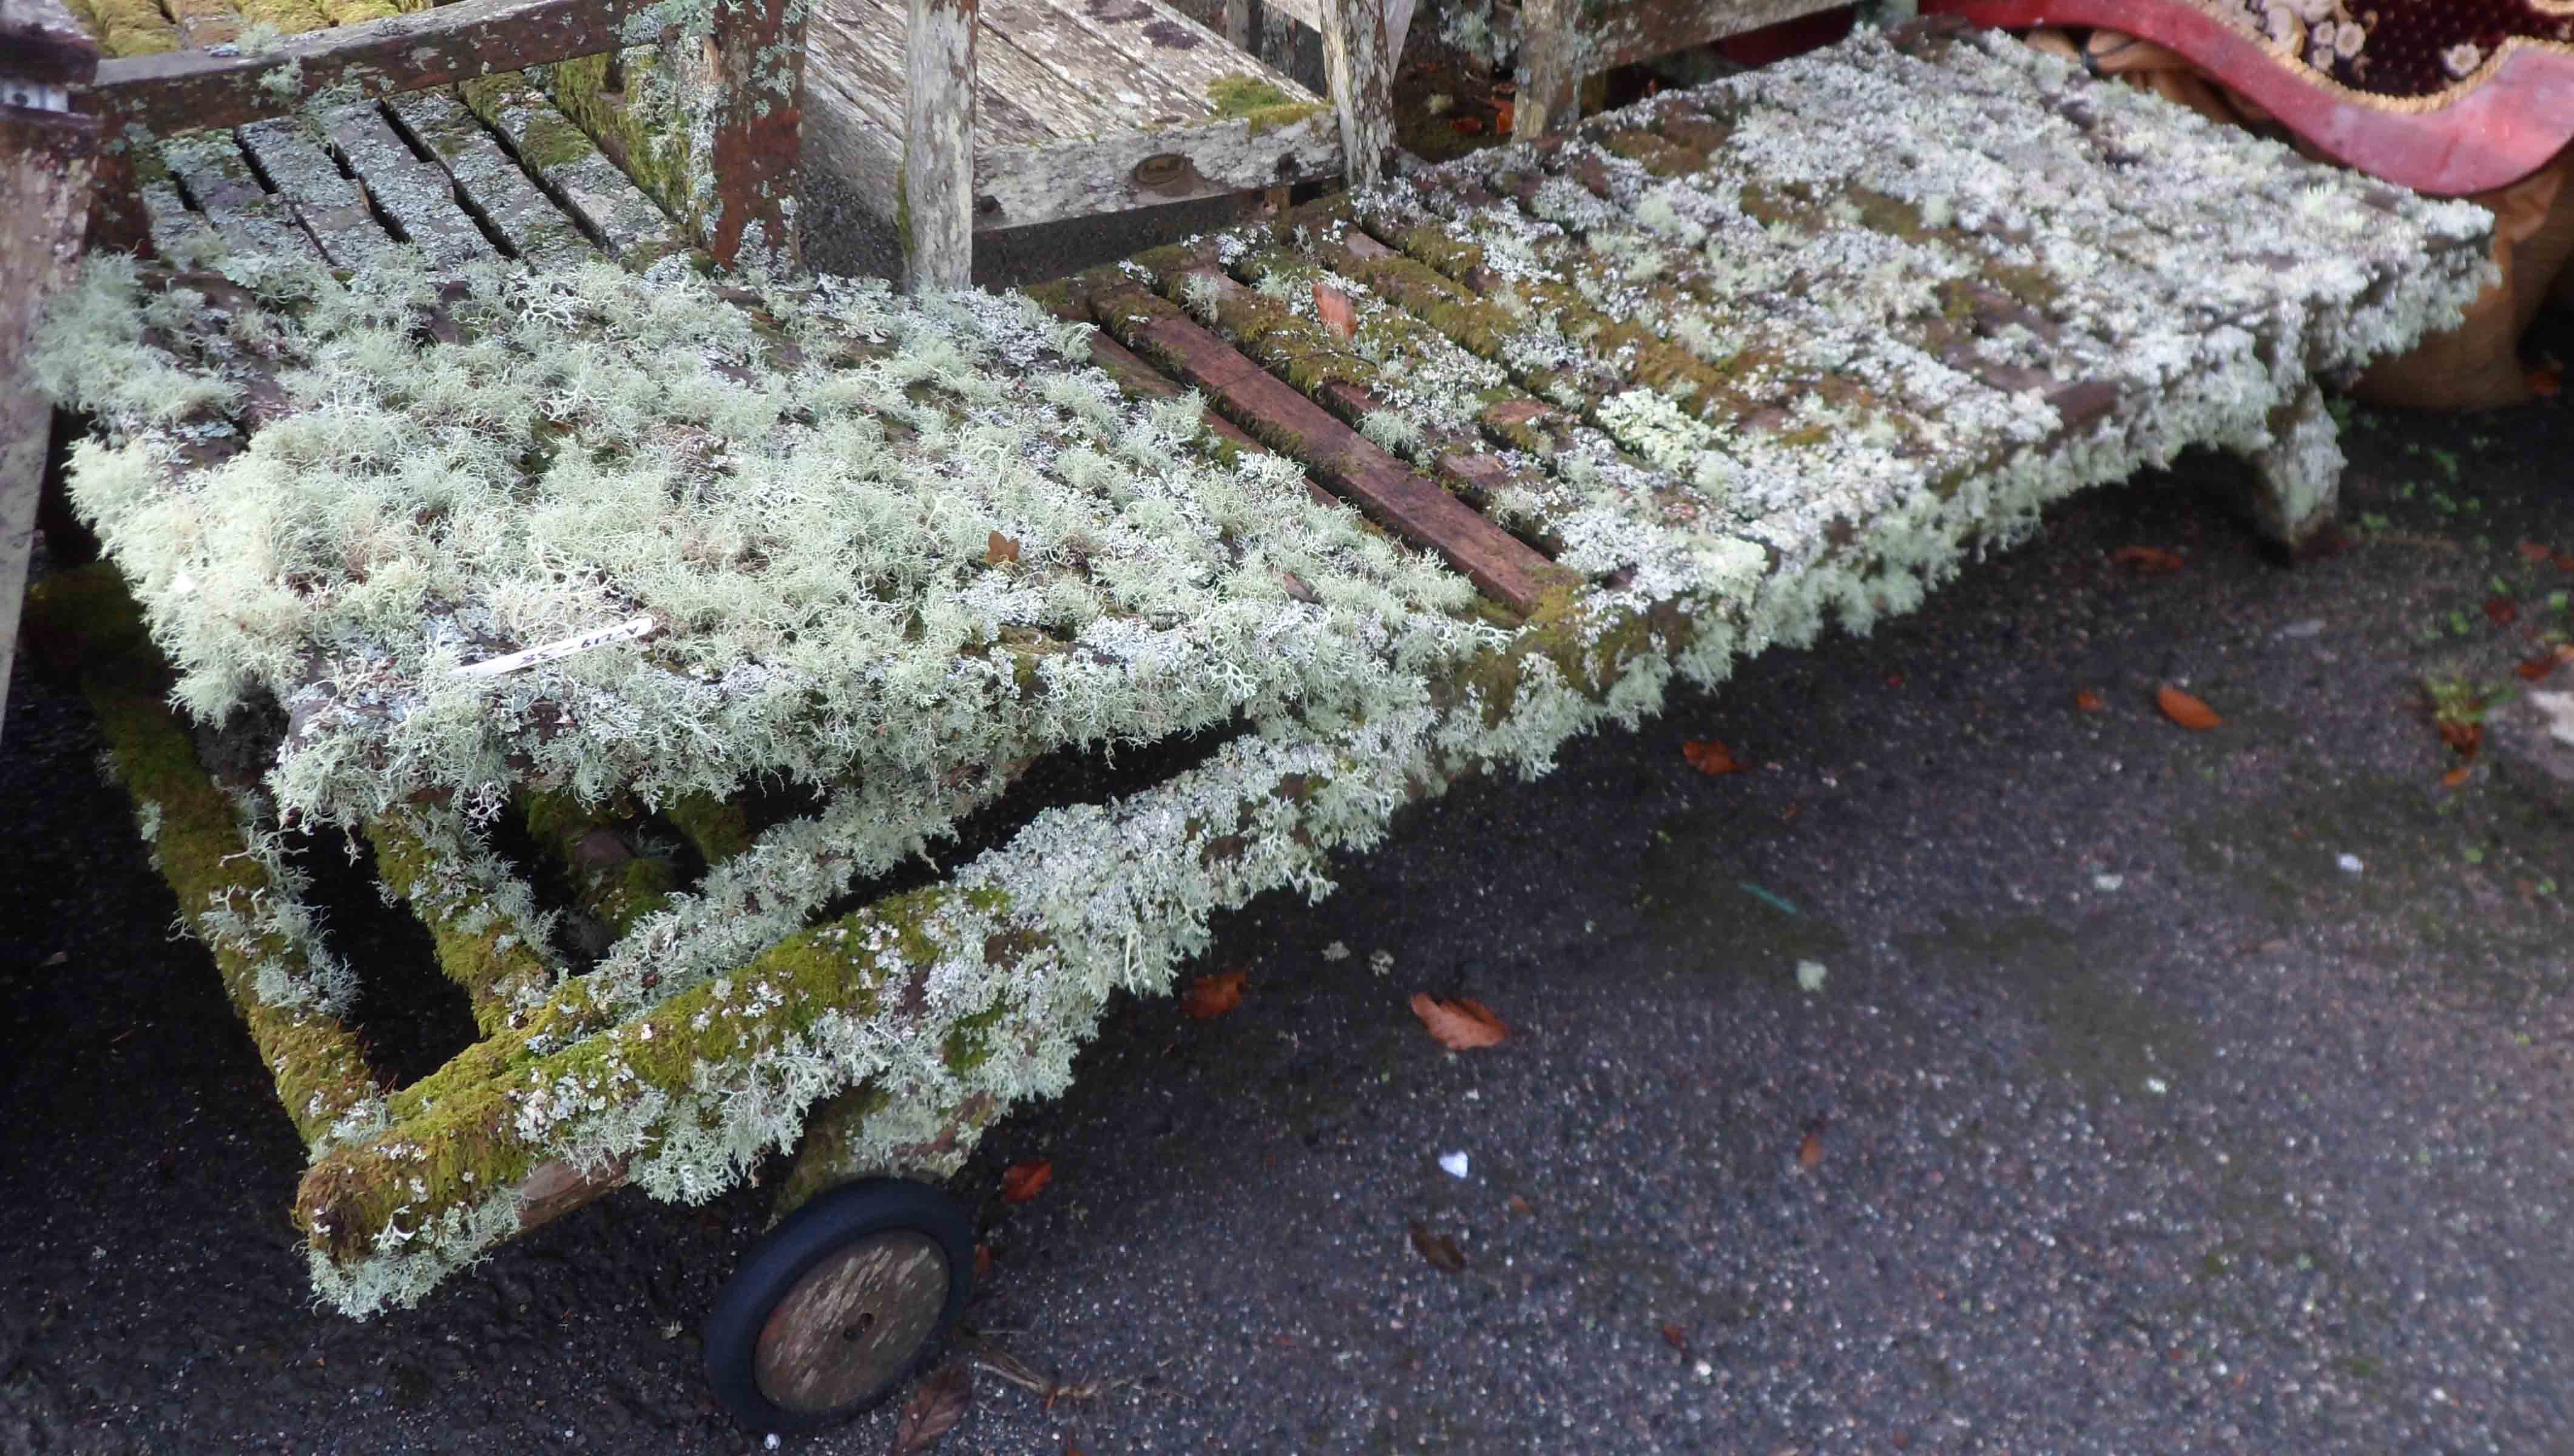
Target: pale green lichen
1859 472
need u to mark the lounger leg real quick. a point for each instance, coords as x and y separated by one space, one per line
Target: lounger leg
2296 470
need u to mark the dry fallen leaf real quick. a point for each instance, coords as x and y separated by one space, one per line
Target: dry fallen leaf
1439 1249
1470 125
2457 775
982 1260
1210 997
1677 1336
2503 611
2148 560
2536 667
2089 700
935 1409
1000 549
1504 113
1519 1205
1023 1182
1337 312
2464 738
1708 756
2186 711
2546 380
1460 1025
2533 552
1810 1152
1297 588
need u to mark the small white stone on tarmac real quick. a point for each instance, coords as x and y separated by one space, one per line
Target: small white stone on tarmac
1454 1164
1381 961
771 1441
1810 975
2311 626
2157 1085
2349 863
1337 950
2107 881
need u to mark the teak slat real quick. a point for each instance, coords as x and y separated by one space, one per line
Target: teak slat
1498 562
420 197
490 181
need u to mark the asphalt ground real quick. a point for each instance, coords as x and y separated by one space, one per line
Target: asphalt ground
2129 1115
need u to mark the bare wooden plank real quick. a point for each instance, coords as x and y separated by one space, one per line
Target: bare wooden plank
1147 43
490 179
603 199
1359 63
419 196
1564 41
1498 562
46 160
1020 187
852 64
210 166
184 89
1551 69
938 146
1097 64
308 182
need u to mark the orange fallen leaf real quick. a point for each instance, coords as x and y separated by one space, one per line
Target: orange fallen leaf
2536 667
2186 711
1708 756
1023 1182
2564 561
1459 1024
1677 1336
1895 679
2457 775
1519 1205
1470 125
1338 313
982 1260
2148 560
2547 380
1210 997
2503 611
2462 737
999 549
2533 552
2087 700
1810 1152
935 1407
1504 113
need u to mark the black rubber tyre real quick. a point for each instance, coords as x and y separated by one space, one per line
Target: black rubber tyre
834 1309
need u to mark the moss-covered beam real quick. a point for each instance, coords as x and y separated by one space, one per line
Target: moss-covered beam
196 835
485 945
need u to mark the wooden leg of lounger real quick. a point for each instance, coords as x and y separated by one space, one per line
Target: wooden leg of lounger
2296 472
936 211
47 153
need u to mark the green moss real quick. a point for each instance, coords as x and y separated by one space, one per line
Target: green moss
478 948
968 1045
319 1070
718 828
1263 106
80 616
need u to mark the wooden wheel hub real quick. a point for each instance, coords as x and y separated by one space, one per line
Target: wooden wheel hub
852 1324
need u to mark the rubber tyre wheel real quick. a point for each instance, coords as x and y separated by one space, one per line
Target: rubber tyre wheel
830 1225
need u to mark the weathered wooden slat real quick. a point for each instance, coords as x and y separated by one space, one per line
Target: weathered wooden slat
330 206
1098 63
1142 381
1153 51
419 196
47 162
854 68
1565 41
1498 562
937 187
472 37
172 222
217 179
490 181
604 200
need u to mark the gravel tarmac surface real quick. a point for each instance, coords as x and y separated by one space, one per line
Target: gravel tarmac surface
2163 1090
